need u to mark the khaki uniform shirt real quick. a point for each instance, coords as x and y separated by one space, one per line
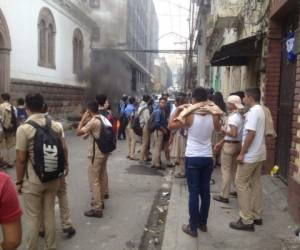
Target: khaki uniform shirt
93 129
25 135
5 113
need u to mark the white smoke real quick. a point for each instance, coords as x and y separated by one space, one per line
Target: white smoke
112 20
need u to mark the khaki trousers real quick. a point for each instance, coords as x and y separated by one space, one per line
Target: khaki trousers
229 154
131 141
96 173
39 199
248 184
64 209
158 137
145 144
8 151
105 180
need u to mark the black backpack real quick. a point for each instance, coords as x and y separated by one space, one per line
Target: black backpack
48 154
107 142
136 125
12 128
152 123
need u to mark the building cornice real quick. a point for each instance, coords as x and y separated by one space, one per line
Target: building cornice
75 11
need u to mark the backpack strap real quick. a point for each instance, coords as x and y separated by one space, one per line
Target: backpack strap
33 124
94 140
142 110
37 126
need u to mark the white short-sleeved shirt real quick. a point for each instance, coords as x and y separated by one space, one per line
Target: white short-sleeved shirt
255 121
236 120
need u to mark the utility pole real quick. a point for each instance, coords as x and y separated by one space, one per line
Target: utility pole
188 52
204 8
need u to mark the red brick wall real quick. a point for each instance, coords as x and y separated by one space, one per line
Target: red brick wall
62 100
294 187
272 101
271 98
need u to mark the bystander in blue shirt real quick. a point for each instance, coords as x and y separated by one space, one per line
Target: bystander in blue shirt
160 119
129 110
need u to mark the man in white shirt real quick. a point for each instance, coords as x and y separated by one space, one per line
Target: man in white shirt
250 162
231 146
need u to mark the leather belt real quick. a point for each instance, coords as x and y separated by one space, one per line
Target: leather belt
227 141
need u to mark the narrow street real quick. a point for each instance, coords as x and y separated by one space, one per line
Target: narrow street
132 192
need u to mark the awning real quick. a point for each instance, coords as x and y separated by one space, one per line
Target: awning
238 53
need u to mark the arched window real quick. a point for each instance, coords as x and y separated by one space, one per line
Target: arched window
47 32
77 51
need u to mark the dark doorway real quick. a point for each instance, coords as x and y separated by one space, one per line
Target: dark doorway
286 100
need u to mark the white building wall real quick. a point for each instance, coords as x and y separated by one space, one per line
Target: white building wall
22 20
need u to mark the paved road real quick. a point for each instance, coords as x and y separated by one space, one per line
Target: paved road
132 191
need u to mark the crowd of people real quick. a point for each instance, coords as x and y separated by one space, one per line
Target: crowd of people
197 133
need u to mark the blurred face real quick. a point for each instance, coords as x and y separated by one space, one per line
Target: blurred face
162 104
194 101
106 104
247 100
230 106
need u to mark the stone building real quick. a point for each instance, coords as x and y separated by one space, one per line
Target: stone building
236 36
44 46
162 75
258 45
282 95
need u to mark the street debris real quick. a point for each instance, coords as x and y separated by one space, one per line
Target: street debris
160 209
165 194
154 230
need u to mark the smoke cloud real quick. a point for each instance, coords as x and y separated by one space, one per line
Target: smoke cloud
109 72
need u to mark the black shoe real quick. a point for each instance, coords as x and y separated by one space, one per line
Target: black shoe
187 229
234 194
297 232
258 222
70 231
203 228
106 196
102 206
42 234
171 165
239 225
94 213
219 198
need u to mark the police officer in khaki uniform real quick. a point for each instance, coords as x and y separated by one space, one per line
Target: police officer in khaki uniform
90 125
8 140
39 198
231 146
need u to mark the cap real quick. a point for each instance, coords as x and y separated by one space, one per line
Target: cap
235 100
